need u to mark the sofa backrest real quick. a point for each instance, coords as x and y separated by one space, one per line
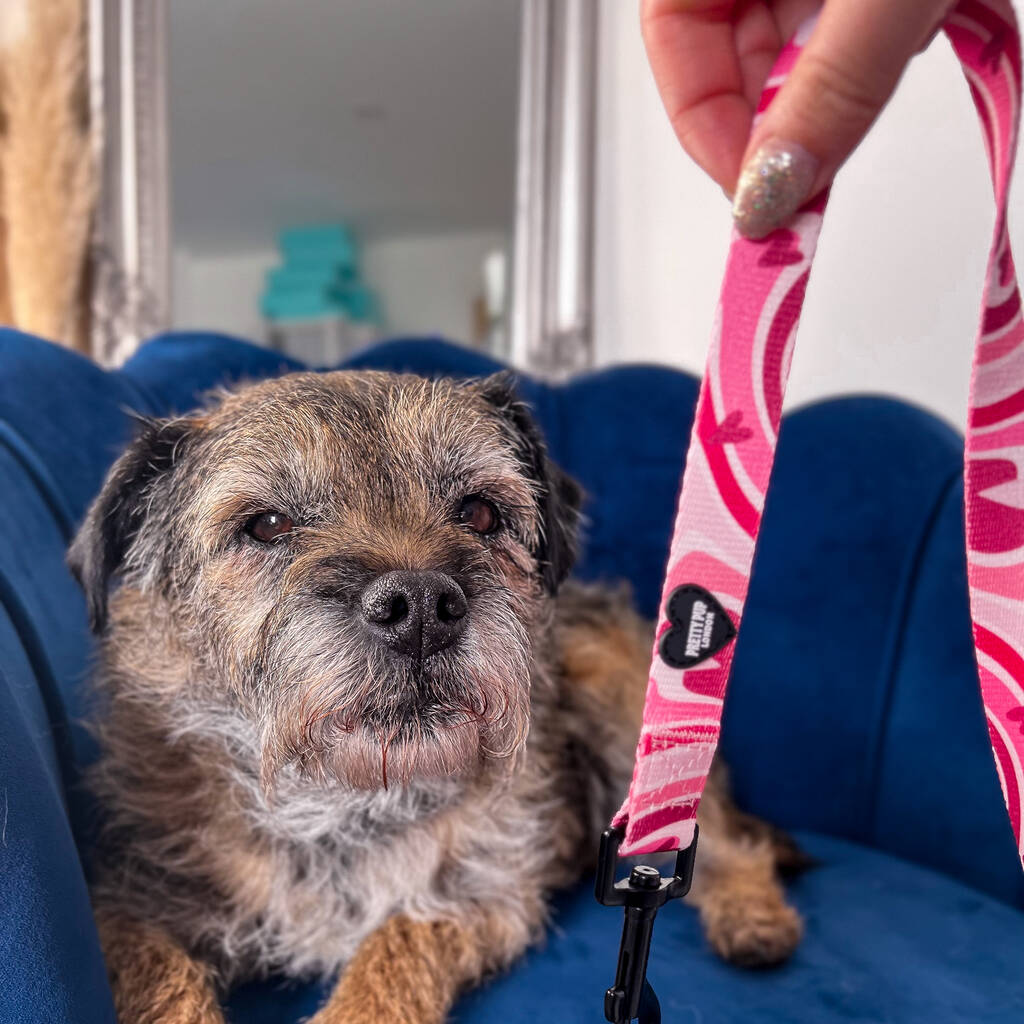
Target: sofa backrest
853 709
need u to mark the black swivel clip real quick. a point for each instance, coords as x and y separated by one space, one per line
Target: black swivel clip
642 893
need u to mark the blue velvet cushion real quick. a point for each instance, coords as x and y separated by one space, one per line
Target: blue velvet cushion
853 712
886 943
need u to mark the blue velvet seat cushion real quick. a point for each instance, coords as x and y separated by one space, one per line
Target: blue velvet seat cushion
887 942
51 968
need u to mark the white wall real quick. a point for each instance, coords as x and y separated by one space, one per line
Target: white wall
893 301
220 291
426 284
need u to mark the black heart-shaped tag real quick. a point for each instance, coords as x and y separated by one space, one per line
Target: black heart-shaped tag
701 627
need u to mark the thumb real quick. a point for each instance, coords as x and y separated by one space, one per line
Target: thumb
845 75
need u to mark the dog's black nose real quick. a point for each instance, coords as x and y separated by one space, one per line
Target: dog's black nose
415 613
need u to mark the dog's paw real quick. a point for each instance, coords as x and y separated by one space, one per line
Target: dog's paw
753 933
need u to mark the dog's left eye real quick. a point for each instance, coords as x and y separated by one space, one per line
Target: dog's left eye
268 526
479 515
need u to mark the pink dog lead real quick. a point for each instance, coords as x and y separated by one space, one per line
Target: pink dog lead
729 462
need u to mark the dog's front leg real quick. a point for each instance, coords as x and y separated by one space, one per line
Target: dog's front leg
736 887
410 971
153 978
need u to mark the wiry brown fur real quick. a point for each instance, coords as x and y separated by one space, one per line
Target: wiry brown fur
154 979
283 793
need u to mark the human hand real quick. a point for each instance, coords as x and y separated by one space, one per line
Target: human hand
711 59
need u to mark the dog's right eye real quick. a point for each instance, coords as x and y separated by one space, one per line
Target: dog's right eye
268 526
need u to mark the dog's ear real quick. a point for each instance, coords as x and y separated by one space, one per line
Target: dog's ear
558 494
113 519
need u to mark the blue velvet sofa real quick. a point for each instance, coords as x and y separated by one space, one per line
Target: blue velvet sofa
853 716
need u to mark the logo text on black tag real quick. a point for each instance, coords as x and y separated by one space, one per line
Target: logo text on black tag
700 627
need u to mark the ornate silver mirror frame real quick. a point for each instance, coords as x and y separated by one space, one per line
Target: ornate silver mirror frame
552 252
131 250
551 294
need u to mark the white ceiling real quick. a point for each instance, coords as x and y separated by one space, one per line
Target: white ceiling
396 116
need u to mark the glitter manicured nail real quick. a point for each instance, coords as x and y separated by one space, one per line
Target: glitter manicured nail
773 185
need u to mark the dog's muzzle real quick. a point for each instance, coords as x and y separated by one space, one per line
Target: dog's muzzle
415 614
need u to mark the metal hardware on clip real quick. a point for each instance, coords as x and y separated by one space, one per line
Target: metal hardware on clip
642 893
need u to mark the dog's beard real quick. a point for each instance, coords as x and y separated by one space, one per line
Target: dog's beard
345 709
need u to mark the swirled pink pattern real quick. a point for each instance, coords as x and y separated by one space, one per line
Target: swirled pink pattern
732 449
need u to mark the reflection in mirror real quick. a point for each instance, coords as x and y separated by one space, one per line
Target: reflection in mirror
342 170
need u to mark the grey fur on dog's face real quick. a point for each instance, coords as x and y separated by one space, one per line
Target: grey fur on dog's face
373 470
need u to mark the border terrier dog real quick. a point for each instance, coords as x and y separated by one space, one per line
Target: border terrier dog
354 722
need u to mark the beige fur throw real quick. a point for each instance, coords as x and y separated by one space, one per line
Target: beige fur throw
46 174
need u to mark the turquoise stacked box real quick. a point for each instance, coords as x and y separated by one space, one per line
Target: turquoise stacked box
319 277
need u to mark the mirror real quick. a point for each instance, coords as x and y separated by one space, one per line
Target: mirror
342 170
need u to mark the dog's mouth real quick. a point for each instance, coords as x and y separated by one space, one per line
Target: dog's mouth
423 743
417 736
427 710
389 725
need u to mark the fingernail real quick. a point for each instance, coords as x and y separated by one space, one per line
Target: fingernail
773 185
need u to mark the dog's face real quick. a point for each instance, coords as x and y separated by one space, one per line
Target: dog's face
356 561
